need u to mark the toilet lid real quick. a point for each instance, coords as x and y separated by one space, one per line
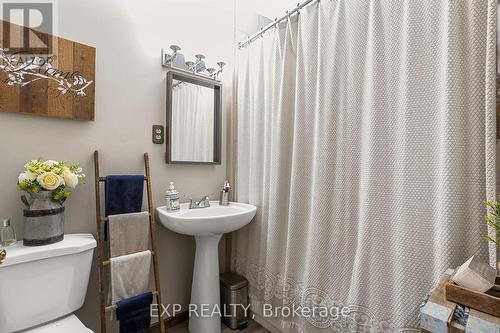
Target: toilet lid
64 325
71 244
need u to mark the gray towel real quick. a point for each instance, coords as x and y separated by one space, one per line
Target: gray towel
128 233
130 275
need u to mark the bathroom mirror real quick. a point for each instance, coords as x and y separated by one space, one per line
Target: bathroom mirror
193 119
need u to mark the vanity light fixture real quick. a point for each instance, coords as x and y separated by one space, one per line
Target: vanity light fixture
200 63
221 65
168 59
191 66
175 60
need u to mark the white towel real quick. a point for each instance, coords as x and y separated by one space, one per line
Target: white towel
130 275
128 233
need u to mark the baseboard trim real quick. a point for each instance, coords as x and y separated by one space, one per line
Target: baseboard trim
264 322
170 322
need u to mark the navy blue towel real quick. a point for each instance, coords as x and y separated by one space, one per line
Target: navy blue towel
124 194
134 313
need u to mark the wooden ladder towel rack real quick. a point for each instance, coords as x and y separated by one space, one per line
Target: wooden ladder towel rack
104 261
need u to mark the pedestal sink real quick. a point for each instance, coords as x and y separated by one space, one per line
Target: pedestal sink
207 226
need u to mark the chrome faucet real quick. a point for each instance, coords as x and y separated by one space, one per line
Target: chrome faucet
203 203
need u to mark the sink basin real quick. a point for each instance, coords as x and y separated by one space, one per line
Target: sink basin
207 225
207 221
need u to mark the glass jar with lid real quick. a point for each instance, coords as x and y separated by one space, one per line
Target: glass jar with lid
7 233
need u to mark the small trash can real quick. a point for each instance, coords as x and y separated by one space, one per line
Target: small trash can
234 299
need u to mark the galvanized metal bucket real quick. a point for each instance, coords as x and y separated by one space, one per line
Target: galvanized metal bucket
43 219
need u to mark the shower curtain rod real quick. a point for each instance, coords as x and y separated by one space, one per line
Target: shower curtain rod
253 37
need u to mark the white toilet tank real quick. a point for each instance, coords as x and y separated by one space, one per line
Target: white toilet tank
40 284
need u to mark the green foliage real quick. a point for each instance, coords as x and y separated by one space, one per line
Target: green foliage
31 186
60 194
40 166
493 219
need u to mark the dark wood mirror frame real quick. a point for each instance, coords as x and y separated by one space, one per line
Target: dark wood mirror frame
174 74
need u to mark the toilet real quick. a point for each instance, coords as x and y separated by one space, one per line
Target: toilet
41 287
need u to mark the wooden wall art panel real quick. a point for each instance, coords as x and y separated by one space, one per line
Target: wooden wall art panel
48 76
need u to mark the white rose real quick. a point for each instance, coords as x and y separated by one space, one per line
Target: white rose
26 176
49 180
70 179
50 163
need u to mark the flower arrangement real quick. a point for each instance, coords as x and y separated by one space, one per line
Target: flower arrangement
493 219
50 175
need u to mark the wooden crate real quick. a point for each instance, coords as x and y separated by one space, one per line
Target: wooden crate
437 314
488 302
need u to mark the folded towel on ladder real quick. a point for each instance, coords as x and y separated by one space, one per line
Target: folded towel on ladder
128 233
124 194
134 313
130 275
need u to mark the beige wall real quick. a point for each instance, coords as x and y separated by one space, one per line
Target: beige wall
130 98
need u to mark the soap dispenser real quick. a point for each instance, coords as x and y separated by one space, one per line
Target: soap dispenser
224 194
172 198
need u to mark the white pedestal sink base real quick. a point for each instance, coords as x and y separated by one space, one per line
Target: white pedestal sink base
205 292
207 225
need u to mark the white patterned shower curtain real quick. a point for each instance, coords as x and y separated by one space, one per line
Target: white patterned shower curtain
192 123
366 138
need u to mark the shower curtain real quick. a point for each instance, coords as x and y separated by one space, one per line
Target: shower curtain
366 139
193 123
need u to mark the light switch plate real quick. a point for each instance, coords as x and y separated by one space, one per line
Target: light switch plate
158 134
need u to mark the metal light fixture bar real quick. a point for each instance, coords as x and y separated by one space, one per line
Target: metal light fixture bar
197 67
